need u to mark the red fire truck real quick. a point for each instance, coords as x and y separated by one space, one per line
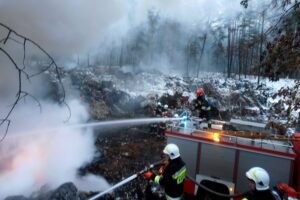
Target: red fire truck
218 158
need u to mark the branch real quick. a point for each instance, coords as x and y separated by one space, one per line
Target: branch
6 130
21 70
281 17
33 97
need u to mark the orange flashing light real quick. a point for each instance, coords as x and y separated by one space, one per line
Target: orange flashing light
216 137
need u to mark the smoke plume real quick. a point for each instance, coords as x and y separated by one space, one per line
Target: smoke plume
36 152
63 27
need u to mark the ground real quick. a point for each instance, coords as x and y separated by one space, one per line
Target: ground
124 152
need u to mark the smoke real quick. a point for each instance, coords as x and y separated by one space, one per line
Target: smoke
185 11
191 13
158 34
63 27
32 156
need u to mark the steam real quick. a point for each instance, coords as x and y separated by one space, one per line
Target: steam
31 157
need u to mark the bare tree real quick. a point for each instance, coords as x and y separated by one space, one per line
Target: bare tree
21 72
201 53
231 48
281 55
261 44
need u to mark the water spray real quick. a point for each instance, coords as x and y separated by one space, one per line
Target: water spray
122 122
127 180
137 121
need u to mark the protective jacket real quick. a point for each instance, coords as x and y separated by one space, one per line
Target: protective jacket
203 106
261 195
159 110
173 178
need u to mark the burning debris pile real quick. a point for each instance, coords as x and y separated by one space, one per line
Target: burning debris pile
104 99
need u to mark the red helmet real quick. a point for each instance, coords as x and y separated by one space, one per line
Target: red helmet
199 92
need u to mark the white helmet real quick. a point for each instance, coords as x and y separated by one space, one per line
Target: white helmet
158 103
166 106
185 94
260 177
172 151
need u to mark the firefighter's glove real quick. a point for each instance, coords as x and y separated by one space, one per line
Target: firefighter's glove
149 175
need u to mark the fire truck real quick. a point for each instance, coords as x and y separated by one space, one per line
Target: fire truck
218 155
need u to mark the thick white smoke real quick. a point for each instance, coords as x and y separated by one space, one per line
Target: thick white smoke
63 27
74 26
185 11
34 152
41 149
190 11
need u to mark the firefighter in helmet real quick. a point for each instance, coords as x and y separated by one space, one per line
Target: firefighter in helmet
158 110
162 126
202 105
173 175
258 180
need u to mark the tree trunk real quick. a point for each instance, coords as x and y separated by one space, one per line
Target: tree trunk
260 47
232 40
228 51
121 57
239 53
201 54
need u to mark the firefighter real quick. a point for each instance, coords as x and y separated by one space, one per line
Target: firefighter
185 99
157 112
259 180
202 105
165 110
173 175
162 126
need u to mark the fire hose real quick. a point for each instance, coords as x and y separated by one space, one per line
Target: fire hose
130 178
214 192
134 176
141 172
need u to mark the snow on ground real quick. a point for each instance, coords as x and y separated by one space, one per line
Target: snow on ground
241 98
258 98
